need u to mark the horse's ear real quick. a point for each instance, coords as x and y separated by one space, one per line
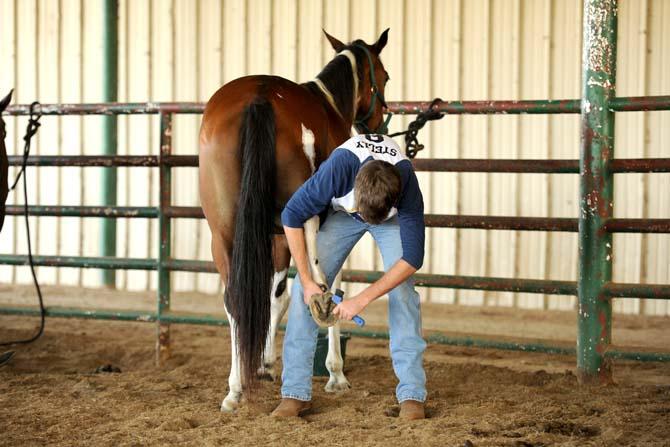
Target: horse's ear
5 101
381 42
336 44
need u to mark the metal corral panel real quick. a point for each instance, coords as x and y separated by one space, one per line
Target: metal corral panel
183 50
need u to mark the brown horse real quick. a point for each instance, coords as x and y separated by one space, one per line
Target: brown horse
4 164
261 138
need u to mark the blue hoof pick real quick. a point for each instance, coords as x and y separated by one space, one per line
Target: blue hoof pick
337 299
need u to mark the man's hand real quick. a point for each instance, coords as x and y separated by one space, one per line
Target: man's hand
310 287
347 309
296 243
400 271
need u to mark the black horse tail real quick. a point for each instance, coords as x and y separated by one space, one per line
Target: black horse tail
251 269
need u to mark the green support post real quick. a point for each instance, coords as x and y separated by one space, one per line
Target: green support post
165 236
110 51
597 191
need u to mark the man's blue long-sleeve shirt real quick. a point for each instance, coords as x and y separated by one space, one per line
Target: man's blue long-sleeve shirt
333 185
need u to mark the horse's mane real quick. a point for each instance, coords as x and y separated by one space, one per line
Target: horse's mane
337 77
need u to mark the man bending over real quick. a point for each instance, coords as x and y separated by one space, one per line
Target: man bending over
366 185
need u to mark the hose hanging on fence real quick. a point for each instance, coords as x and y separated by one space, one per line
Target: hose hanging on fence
31 130
412 144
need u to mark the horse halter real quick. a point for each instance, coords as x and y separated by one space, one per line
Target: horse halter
383 127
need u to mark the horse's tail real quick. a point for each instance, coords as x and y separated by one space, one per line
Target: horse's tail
250 278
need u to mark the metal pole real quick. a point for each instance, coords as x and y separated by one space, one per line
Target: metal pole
622 104
163 328
110 53
597 190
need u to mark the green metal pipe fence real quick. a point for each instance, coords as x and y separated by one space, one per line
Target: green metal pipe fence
595 224
437 338
110 78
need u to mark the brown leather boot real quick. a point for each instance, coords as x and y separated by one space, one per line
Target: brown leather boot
291 408
411 410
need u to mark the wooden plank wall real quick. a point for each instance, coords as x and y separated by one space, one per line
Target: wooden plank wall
182 50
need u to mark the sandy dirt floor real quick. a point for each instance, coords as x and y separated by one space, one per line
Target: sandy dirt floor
50 393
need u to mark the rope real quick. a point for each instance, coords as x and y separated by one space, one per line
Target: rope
411 134
31 130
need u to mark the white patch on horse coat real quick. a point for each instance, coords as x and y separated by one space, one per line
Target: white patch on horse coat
354 70
327 94
308 145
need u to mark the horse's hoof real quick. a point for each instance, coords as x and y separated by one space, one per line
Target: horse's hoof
337 386
229 404
266 373
226 407
266 376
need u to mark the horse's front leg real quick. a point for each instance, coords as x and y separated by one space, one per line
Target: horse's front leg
311 229
334 362
232 400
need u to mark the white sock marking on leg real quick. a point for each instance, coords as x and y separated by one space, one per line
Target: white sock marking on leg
232 400
334 361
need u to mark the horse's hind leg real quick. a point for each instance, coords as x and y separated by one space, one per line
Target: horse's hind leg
279 300
221 249
234 396
219 189
334 362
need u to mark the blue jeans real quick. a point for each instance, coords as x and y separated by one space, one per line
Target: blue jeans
335 240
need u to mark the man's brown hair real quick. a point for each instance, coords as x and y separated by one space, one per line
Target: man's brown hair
376 190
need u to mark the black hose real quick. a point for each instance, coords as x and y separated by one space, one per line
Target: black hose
33 125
